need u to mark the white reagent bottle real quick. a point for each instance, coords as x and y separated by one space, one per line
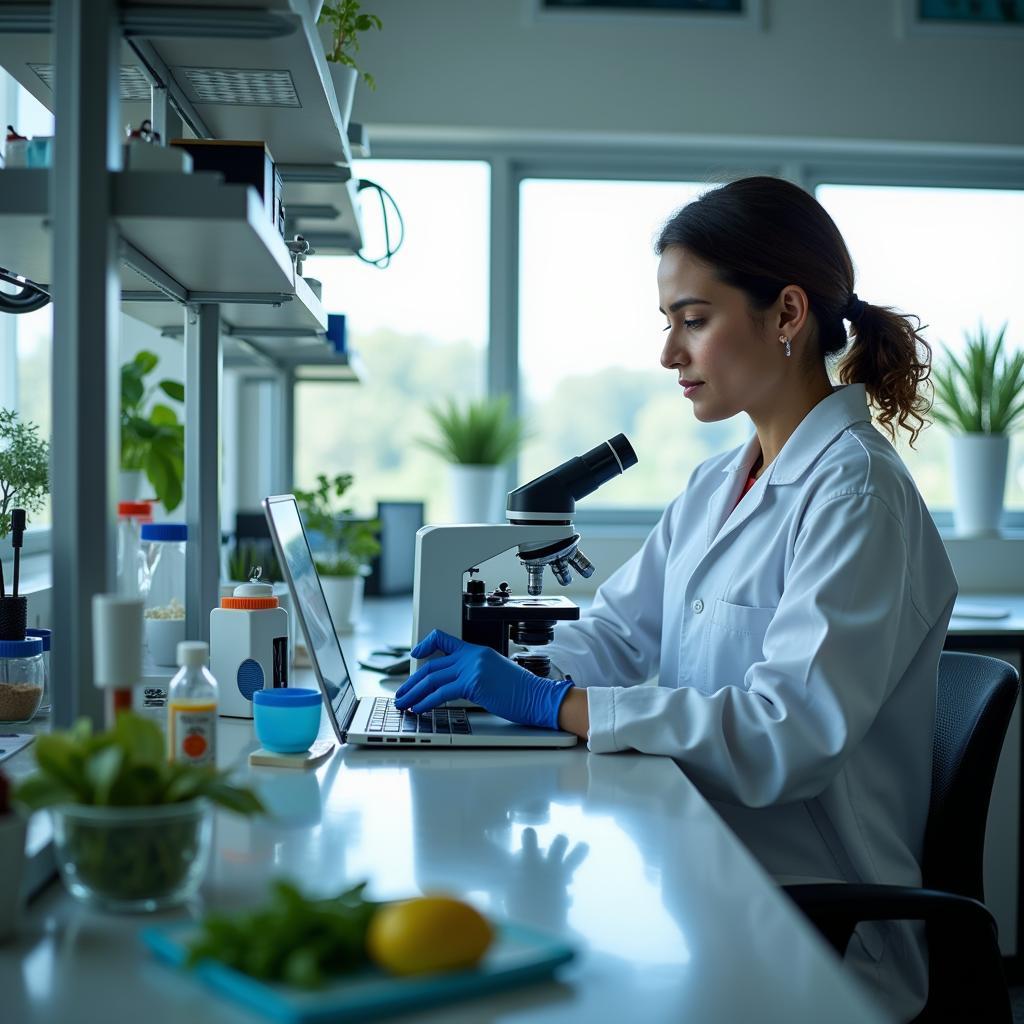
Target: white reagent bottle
248 646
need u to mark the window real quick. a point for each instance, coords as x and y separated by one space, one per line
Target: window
952 257
420 328
590 337
26 339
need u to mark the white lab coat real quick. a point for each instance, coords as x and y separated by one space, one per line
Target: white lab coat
795 642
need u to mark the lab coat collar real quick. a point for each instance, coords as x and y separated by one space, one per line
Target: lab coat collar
848 404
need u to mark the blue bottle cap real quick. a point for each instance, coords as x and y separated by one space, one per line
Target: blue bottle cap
164 531
46 635
21 648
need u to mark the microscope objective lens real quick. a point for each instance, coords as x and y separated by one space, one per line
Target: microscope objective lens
535 579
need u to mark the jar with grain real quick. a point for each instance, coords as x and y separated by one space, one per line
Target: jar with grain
21 679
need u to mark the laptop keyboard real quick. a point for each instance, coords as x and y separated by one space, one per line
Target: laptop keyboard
386 718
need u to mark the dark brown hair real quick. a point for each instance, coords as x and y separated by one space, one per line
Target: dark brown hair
760 234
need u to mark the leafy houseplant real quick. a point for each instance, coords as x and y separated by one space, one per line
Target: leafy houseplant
484 433
24 467
351 544
476 440
247 554
132 830
982 393
153 442
346 22
980 402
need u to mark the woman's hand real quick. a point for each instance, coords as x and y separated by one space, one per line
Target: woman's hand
481 675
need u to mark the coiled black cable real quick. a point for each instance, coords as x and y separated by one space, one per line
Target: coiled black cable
383 261
31 297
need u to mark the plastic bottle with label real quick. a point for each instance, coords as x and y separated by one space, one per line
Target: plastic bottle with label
192 708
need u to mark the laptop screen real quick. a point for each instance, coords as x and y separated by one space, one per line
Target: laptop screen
310 606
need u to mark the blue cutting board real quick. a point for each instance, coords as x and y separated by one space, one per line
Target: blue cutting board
517 955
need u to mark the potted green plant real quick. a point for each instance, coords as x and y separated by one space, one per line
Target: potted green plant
980 400
350 544
341 22
12 861
476 440
152 442
131 830
24 468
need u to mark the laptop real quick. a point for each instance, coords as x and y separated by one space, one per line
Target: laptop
375 721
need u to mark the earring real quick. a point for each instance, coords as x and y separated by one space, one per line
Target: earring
785 340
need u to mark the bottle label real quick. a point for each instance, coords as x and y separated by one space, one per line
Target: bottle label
192 733
280 661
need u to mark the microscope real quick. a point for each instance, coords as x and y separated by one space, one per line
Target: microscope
540 526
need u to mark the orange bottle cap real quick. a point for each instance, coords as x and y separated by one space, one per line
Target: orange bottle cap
248 603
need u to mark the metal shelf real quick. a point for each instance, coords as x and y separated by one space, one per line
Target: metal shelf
278 89
190 234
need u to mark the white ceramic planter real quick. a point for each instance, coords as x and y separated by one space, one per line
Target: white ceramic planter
345 80
344 596
12 868
477 495
979 482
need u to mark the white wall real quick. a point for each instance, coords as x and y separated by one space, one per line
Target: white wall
822 68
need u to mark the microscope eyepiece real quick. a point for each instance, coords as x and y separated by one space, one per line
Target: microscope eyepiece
556 492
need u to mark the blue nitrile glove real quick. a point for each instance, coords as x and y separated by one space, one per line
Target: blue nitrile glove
482 675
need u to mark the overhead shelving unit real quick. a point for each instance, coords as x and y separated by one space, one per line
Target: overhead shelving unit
192 255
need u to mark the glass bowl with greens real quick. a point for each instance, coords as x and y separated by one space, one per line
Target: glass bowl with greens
132 858
131 831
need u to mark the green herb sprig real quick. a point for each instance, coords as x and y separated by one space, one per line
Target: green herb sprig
983 392
292 939
124 767
483 433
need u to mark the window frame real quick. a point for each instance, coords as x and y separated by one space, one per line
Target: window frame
514 157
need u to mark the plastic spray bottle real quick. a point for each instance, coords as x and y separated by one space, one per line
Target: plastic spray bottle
192 708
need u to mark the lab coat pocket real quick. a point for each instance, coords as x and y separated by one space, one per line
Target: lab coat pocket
733 641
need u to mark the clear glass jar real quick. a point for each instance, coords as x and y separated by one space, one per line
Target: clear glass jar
132 858
163 589
21 679
131 516
46 635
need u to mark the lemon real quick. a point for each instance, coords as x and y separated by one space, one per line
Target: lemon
431 933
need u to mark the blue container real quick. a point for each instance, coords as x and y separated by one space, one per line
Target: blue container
287 720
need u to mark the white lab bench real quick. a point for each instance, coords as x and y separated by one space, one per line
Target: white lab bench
617 854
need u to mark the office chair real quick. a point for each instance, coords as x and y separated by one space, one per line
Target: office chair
974 700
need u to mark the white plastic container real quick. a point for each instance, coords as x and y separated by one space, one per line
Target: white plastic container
248 646
131 515
163 589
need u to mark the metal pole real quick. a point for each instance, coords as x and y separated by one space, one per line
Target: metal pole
85 373
202 467
502 348
284 470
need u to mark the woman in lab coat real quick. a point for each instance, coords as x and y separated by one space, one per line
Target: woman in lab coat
792 602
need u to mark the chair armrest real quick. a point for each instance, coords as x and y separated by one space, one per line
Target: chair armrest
836 909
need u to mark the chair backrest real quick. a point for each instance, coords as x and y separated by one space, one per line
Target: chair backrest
974 701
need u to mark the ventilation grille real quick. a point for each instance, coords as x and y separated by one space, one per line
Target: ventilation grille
134 85
242 87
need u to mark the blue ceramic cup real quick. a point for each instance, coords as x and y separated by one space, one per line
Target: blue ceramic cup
287 720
